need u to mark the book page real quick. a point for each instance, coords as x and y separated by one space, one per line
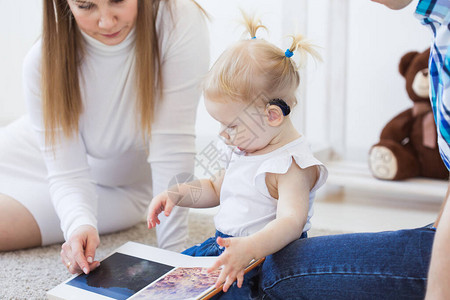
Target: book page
131 268
165 256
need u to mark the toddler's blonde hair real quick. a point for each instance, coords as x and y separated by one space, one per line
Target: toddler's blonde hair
253 69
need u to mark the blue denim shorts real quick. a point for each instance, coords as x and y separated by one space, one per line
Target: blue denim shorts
208 247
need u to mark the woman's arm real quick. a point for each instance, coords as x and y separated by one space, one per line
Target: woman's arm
72 189
439 274
184 46
184 49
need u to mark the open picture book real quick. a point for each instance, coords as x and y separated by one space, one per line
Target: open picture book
137 271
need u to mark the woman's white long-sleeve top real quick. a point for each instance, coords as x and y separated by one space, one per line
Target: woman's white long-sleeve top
109 150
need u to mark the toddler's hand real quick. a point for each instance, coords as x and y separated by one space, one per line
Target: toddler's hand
160 203
235 258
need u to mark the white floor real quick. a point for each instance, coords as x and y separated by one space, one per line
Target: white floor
353 210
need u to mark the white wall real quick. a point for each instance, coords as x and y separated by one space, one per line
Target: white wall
344 101
378 38
20 27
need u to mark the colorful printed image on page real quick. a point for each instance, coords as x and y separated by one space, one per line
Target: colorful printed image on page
181 283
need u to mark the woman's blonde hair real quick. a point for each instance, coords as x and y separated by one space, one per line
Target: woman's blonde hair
255 69
62 52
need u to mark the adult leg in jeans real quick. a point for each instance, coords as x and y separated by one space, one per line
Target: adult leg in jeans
383 265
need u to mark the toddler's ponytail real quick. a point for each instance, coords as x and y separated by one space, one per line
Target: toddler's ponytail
252 24
303 47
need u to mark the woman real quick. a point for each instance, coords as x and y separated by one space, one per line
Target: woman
112 92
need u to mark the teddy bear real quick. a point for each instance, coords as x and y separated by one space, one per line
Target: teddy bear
408 143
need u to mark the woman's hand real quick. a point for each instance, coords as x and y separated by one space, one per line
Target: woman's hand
160 203
235 258
78 252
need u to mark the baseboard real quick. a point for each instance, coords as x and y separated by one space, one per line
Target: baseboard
357 175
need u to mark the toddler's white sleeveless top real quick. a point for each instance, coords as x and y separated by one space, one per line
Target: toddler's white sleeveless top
246 205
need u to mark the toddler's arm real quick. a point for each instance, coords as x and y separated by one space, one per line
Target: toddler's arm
201 193
292 211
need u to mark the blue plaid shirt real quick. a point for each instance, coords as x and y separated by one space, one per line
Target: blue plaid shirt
435 14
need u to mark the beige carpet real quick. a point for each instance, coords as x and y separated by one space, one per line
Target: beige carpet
29 274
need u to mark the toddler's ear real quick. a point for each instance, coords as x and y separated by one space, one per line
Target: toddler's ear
274 115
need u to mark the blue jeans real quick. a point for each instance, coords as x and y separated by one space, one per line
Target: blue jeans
382 265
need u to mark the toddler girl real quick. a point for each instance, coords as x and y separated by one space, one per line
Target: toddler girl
267 186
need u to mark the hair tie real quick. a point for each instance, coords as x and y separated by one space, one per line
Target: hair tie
254 38
282 105
288 53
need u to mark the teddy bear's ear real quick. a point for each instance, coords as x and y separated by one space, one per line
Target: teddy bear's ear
405 61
